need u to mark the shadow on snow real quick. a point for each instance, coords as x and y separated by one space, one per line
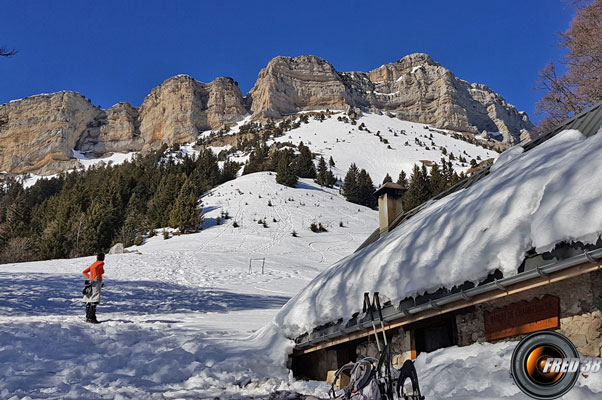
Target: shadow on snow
40 294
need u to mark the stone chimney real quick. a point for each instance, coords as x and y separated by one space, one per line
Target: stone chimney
389 204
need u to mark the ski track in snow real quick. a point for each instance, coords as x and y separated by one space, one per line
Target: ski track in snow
177 318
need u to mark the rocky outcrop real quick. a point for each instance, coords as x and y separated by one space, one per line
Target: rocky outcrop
289 85
113 130
416 88
181 108
38 133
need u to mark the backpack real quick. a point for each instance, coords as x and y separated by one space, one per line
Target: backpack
87 289
363 384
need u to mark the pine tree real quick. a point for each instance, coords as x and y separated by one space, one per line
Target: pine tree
331 162
258 160
285 174
366 190
207 172
185 214
403 179
321 169
418 190
387 179
325 176
304 164
17 216
102 226
229 171
437 182
448 172
351 185
162 202
329 179
457 178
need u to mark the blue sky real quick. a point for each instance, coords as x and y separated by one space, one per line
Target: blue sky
113 51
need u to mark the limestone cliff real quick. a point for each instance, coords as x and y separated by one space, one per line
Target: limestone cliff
38 133
289 85
113 130
415 88
180 108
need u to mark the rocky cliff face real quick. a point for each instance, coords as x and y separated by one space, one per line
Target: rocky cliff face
179 109
289 85
415 88
112 130
38 134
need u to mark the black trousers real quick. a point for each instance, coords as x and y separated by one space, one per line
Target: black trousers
91 312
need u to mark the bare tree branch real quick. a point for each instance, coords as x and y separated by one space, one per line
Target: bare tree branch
581 85
6 52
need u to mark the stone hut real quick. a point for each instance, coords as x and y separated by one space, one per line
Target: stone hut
559 290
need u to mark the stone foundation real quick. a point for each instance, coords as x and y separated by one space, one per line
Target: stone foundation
580 321
401 347
580 316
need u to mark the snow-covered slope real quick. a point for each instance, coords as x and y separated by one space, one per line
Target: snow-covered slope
178 315
184 319
529 200
347 144
401 145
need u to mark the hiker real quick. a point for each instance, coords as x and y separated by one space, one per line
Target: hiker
93 285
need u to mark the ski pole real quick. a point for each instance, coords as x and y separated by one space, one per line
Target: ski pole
369 307
380 315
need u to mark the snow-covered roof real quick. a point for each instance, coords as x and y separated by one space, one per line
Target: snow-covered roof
531 199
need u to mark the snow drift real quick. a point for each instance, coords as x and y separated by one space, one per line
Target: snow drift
534 199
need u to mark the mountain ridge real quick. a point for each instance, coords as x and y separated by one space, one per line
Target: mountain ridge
39 133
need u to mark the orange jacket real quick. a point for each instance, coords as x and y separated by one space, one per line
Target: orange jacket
95 271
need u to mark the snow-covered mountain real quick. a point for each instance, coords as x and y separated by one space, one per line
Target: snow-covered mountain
38 134
382 145
378 143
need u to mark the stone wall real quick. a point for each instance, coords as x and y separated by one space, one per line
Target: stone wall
401 347
580 320
580 316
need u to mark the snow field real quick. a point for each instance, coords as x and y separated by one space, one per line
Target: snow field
347 144
183 318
